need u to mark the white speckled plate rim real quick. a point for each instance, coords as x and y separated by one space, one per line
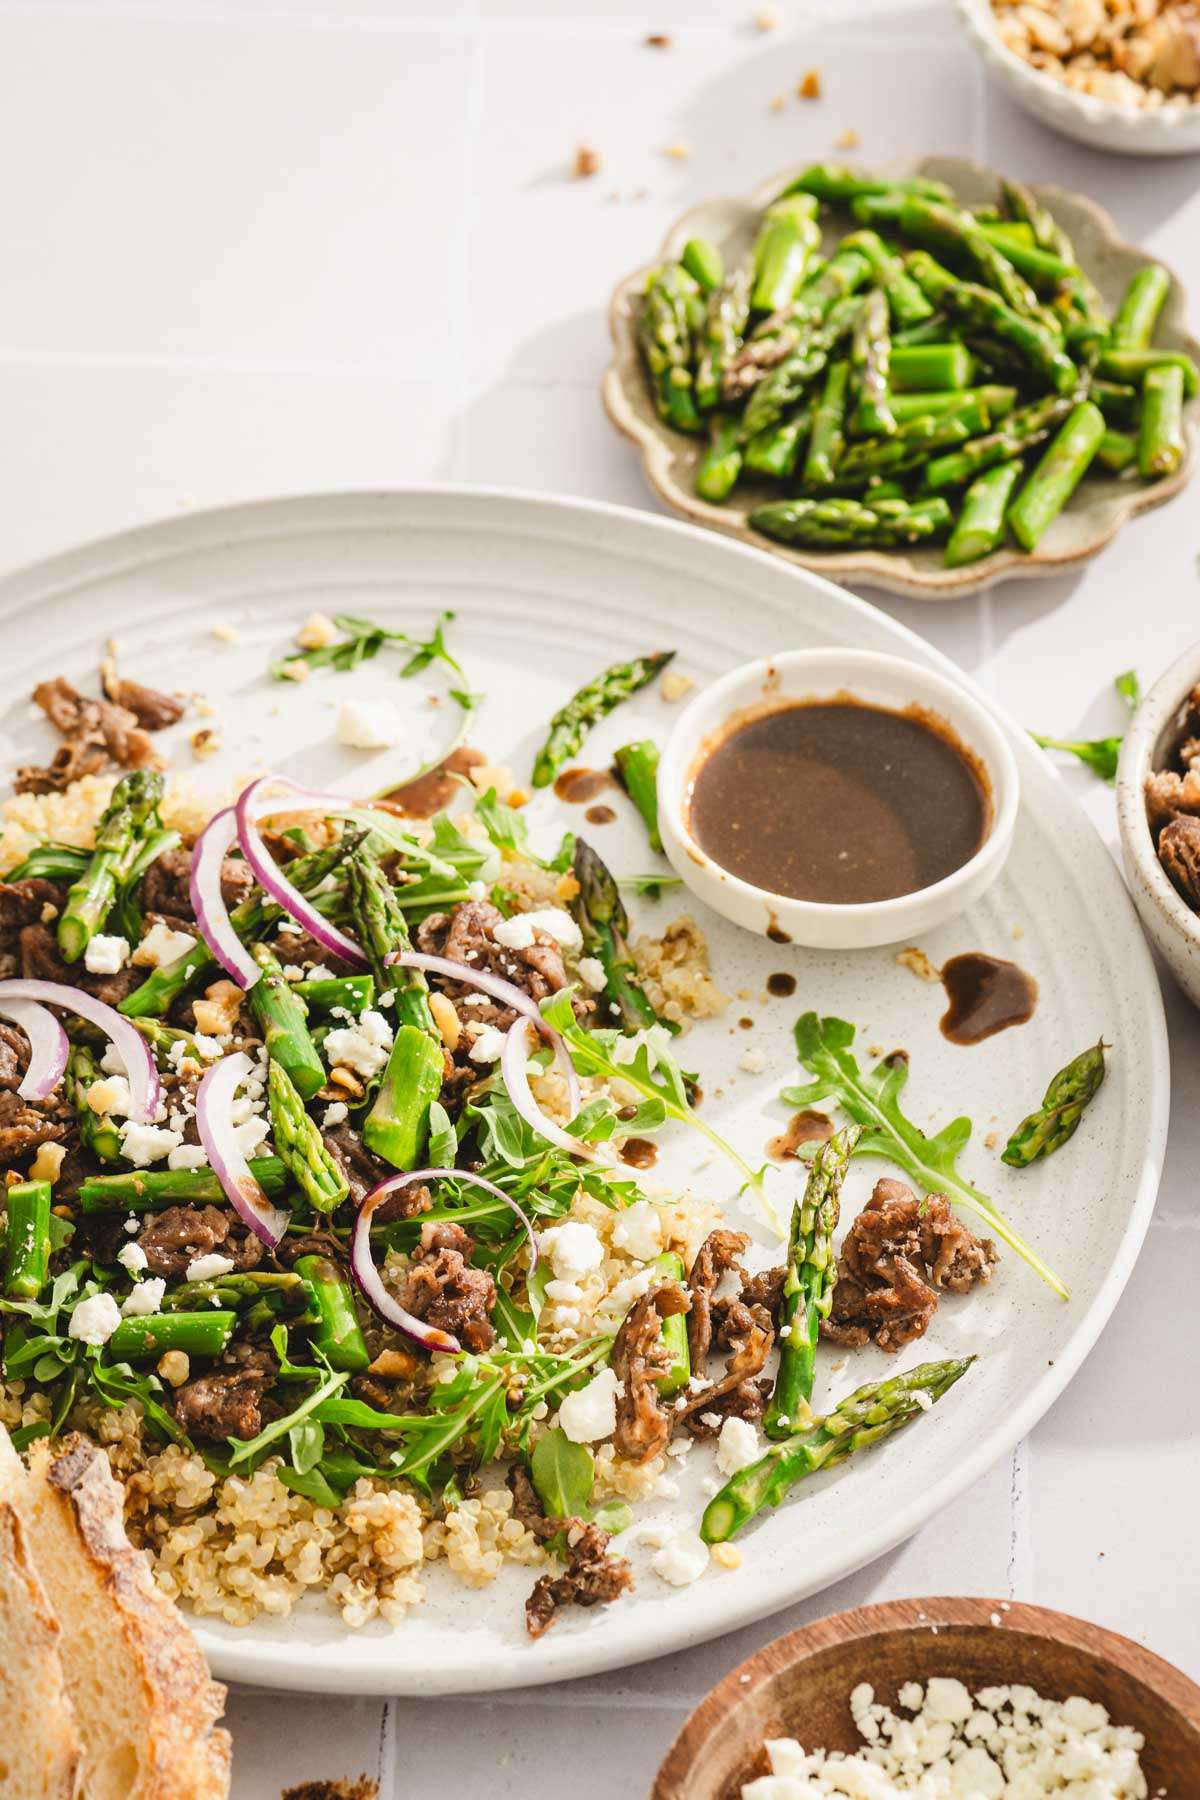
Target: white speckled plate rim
546 591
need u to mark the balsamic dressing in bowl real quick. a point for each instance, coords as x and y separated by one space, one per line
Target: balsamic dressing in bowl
839 801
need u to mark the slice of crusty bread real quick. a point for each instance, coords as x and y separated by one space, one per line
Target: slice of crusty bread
39 1744
145 1705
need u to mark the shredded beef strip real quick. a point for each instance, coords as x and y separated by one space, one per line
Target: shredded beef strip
363 1172
165 886
180 1234
21 904
443 1289
716 1256
748 1334
96 733
897 1256
152 710
41 960
467 935
14 1056
228 1401
25 1124
591 1577
639 1359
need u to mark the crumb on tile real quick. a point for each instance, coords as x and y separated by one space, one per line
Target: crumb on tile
917 963
677 150
658 40
847 140
809 87
587 162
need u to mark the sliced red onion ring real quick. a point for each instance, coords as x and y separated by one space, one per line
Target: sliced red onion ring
126 1039
367 1276
253 804
505 991
214 1121
48 1047
208 902
514 1068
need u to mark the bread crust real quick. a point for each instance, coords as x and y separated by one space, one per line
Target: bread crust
51 1753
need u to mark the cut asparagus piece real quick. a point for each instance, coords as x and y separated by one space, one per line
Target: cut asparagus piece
665 328
129 816
721 337
1162 442
144 1190
837 522
144 1339
572 722
637 770
931 366
1028 426
828 436
870 368
1132 365
980 526
787 242
283 1020
1137 315
337 1333
721 464
26 1239
982 310
600 914
704 263
300 1146
1057 475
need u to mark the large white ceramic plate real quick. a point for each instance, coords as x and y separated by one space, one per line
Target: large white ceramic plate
547 592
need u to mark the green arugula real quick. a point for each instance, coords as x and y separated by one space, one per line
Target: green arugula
508 831
1100 755
363 639
564 1475
872 1099
652 886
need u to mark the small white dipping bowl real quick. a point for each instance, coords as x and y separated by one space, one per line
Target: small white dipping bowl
807 675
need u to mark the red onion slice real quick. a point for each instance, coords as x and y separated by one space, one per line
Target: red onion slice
48 1047
253 805
514 1068
367 1276
123 1034
214 1121
208 902
505 991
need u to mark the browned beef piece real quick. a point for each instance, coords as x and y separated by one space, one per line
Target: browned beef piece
765 1290
716 1256
1179 854
442 1288
14 1056
363 1172
96 733
639 1359
225 1403
315 1243
177 1236
897 1255
41 960
165 887
467 935
21 903
591 1578
444 1234
152 710
24 1124
527 1508
748 1334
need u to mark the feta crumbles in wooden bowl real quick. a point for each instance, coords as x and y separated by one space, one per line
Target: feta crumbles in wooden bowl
1121 75
943 1697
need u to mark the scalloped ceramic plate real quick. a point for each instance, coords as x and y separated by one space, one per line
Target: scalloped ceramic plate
546 592
1100 506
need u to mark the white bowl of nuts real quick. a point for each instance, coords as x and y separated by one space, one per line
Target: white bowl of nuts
1121 75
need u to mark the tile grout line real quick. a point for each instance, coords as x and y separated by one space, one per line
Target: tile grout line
1020 1543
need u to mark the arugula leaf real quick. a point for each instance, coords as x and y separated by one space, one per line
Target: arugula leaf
312 1483
1100 755
564 1475
306 1441
363 639
644 1063
245 1449
443 1140
651 886
509 833
872 1099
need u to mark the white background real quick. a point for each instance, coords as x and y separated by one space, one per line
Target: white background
251 249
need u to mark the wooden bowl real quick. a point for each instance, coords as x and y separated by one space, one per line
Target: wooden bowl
800 1687
1097 510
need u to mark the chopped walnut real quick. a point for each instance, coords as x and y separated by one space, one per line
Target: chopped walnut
317 632
1143 54
810 85
1179 854
587 162
295 669
216 1015
848 139
205 742
658 40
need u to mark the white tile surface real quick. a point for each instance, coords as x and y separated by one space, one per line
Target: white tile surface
260 245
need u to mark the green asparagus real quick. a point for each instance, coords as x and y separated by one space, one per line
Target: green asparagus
996 400
26 1239
300 1146
637 770
980 309
704 263
838 186
1135 318
867 1416
870 369
718 469
837 522
353 993
721 336
1118 451
1028 426
932 365
669 1267
1056 1119
98 1131
146 1190
572 722
283 1019
665 331
783 387
1119 401
775 451
906 303
912 443
397 1125
788 240
337 1333
1057 475
828 435
1161 444
1132 365
944 228
600 914
809 1280
144 1338
1044 270
129 815
980 526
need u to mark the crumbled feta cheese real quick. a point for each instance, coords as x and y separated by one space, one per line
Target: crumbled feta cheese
573 1249
362 725
638 1230
94 1320
336 1113
251 1136
591 973
590 1413
207 1268
105 955
146 1298
754 1061
683 1560
655 1533
187 1156
146 1144
162 945
363 1046
563 1293
737 1446
132 1257
517 933
488 1046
